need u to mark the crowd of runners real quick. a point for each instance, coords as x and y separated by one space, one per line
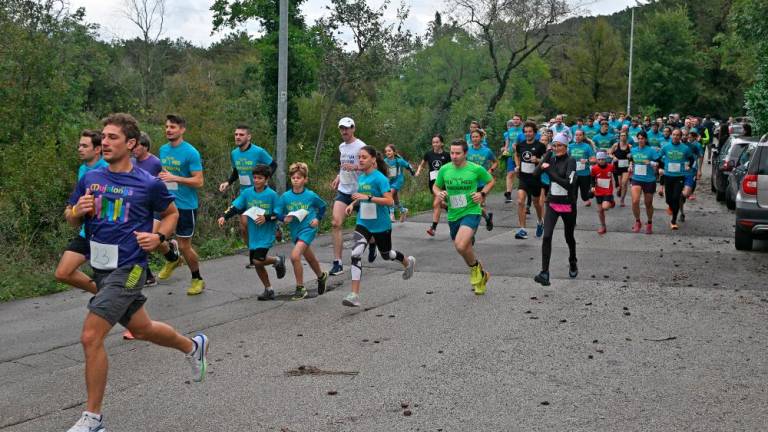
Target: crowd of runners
129 203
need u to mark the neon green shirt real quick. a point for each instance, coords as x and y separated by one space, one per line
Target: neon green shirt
461 183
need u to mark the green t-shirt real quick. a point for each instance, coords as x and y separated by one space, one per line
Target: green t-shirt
461 183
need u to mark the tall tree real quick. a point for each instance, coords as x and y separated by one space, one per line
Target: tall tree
748 20
149 18
593 71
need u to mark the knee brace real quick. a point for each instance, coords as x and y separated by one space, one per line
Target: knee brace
358 248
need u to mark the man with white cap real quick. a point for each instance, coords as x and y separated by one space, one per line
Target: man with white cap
345 185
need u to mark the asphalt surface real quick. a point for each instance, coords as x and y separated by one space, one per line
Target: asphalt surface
660 332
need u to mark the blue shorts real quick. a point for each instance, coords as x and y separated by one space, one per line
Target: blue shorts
306 235
472 221
511 164
396 183
690 181
185 227
343 197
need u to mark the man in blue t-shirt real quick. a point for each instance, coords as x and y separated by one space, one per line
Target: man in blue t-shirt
183 175
244 159
117 204
67 271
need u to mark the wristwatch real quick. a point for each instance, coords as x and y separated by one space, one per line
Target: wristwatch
483 193
161 236
370 198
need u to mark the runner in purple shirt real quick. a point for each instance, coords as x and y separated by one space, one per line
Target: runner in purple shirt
144 159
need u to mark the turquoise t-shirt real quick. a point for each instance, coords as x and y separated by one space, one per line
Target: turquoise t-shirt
395 168
664 141
482 156
675 157
590 131
374 217
698 151
654 138
306 200
604 142
181 161
513 134
84 168
642 157
468 139
614 125
632 134
580 151
259 236
245 161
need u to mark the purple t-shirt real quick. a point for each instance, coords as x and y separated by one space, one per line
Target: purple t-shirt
151 164
124 203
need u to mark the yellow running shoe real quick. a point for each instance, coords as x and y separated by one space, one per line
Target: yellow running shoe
480 288
168 269
197 286
476 274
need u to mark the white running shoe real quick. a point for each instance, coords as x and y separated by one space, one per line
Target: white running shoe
198 360
351 300
408 272
89 422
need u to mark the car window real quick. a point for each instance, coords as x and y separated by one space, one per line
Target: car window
759 166
746 155
736 151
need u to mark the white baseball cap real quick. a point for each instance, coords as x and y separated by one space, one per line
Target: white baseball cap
346 122
562 138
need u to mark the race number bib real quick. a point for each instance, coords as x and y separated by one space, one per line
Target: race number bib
623 163
172 186
641 170
580 166
103 256
368 211
557 190
673 167
432 175
347 177
458 201
392 171
253 212
299 214
604 183
527 167
245 180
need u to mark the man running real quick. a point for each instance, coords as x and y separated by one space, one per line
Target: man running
693 171
674 156
583 154
604 139
456 185
117 205
183 175
527 156
434 160
511 137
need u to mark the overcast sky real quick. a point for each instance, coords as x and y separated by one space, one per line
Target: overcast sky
191 19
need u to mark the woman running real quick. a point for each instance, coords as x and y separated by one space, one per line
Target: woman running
620 152
395 166
643 168
434 160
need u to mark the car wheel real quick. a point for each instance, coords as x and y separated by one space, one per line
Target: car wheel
743 240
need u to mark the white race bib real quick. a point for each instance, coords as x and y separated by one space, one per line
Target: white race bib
299 214
172 186
392 171
527 167
347 177
432 175
623 163
458 201
604 183
641 170
103 256
557 190
245 180
368 210
255 211
580 166
673 167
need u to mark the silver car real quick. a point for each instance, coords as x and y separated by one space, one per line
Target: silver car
752 199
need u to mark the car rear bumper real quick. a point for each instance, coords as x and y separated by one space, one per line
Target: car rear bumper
752 219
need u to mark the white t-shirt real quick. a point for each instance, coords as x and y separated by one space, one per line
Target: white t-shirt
349 154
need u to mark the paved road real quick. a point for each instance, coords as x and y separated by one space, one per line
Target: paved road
662 332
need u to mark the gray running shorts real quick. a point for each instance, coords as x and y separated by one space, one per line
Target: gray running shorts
119 295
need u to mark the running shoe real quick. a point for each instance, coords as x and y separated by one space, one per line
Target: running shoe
649 228
301 293
337 269
89 422
489 221
196 287
661 193
198 359
521 234
351 300
602 230
636 227
250 265
150 282
127 335
403 214
508 199
408 272
539 229
168 269
480 288
321 281
542 278
392 216
268 294
372 253
673 226
280 266
587 203
622 204
431 232
692 198
573 269
475 275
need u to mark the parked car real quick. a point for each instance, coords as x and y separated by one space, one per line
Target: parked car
724 160
736 175
752 199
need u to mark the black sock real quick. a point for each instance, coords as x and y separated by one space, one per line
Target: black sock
171 256
196 275
149 273
434 225
475 264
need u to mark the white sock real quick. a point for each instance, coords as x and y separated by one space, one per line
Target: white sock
94 415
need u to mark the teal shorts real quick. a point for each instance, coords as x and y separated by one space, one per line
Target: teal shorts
472 221
306 235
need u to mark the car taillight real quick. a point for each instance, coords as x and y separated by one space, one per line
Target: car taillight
749 184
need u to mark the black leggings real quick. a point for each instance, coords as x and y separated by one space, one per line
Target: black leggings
585 187
569 223
673 190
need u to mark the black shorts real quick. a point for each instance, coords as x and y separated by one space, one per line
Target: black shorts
186 225
619 171
647 187
79 245
603 198
259 254
119 293
343 197
531 187
382 239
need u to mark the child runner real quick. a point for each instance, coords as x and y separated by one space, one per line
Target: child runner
434 159
302 210
259 204
373 197
484 157
395 165
643 170
620 152
602 176
583 153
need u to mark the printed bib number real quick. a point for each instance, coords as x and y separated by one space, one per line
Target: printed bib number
368 211
392 172
673 167
432 175
580 166
458 201
527 167
253 212
347 177
603 183
245 180
641 170
623 163
299 214
557 190
103 256
172 186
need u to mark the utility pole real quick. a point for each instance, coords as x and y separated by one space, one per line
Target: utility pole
282 97
631 46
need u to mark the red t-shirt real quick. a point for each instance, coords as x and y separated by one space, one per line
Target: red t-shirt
604 179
